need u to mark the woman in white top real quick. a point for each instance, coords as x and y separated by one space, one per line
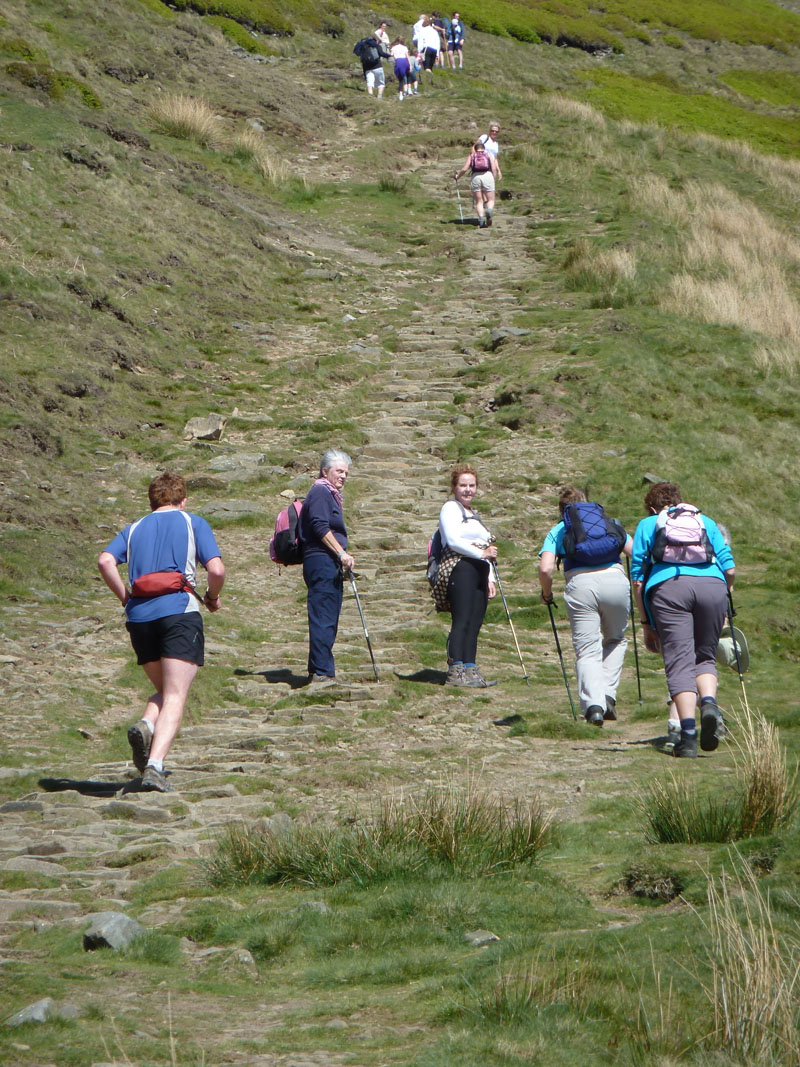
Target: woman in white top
489 140
429 43
470 586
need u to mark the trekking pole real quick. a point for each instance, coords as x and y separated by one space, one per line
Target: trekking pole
633 627
560 656
510 623
731 614
352 578
458 194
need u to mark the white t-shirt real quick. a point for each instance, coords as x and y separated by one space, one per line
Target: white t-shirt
464 534
429 38
491 146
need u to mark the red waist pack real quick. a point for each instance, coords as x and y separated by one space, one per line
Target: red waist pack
157 583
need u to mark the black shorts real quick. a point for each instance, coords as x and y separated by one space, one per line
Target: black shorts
429 60
173 637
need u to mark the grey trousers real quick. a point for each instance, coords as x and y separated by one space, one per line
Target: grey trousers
688 612
598 605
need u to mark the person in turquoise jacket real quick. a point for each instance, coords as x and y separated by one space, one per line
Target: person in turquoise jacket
681 593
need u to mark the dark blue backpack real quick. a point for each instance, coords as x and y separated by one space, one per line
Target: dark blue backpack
591 539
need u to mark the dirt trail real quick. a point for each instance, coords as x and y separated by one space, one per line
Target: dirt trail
271 745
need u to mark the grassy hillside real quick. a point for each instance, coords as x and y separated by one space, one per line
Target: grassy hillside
203 212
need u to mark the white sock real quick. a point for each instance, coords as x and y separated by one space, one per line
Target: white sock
157 763
674 724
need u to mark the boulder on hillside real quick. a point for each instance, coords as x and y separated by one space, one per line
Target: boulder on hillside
111 929
204 428
42 1011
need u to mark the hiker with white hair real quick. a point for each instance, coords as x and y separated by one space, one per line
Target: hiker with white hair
322 533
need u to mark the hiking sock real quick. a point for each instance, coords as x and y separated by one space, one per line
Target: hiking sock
674 724
708 700
468 665
157 763
689 726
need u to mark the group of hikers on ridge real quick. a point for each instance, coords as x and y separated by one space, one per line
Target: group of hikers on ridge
681 573
435 41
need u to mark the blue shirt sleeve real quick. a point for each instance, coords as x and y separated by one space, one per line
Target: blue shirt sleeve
205 541
642 543
119 546
554 541
717 541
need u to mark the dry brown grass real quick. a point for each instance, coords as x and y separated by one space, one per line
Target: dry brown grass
770 790
250 144
188 119
567 108
738 263
595 268
755 973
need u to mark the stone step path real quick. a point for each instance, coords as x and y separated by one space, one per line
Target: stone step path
269 745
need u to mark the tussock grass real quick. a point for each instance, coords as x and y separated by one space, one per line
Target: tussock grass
393 183
590 267
529 987
738 263
467 832
676 814
525 153
755 973
567 108
764 800
249 144
780 356
770 793
187 119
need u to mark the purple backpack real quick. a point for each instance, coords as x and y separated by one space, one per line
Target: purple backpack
284 547
479 162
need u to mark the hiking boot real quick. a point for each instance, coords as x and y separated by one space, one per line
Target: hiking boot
455 675
611 710
140 738
711 725
489 218
155 781
321 681
473 677
594 715
673 734
482 222
686 746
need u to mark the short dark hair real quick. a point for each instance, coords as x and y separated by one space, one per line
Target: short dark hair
166 488
662 495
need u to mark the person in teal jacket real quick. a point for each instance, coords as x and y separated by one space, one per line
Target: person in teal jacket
682 606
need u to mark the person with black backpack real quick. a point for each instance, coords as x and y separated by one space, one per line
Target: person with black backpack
682 570
371 52
596 593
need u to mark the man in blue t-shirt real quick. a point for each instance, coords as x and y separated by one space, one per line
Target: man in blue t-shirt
162 551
